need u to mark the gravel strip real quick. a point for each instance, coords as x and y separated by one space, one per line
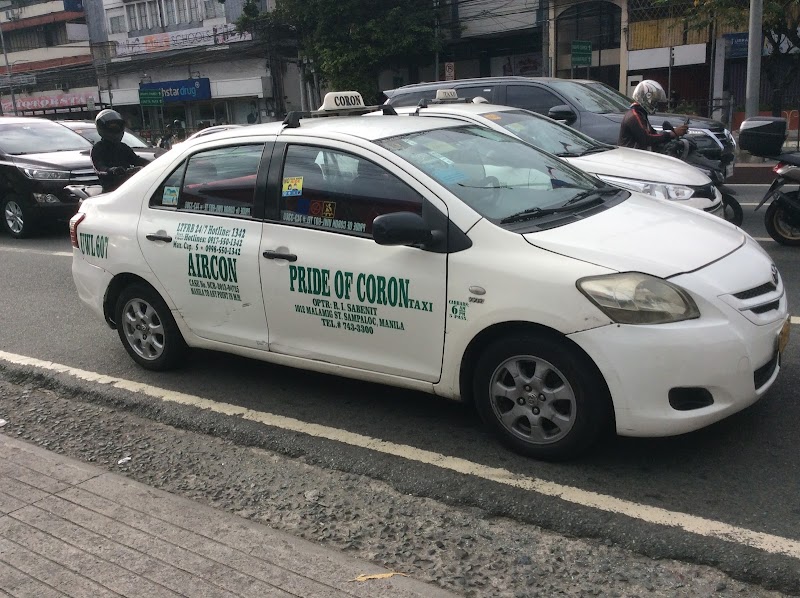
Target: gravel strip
463 550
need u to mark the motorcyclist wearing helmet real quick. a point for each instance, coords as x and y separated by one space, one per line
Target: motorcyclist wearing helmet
636 130
174 130
111 158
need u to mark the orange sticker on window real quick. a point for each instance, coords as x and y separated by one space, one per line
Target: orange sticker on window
329 210
493 116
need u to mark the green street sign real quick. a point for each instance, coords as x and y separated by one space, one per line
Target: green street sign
581 53
151 97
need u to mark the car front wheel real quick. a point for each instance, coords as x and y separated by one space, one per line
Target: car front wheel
17 217
147 329
541 396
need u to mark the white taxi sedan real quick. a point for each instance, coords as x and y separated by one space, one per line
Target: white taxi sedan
443 257
649 173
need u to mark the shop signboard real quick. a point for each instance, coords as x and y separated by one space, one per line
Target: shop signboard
186 90
180 40
47 102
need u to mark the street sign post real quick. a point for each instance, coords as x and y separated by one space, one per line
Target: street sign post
581 55
151 97
449 71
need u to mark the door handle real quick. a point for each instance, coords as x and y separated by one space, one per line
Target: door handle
275 255
153 237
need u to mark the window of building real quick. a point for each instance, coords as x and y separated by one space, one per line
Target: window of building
155 14
210 8
133 20
340 192
117 24
183 15
193 10
141 10
172 17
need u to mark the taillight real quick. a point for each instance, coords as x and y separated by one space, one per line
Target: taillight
778 166
73 228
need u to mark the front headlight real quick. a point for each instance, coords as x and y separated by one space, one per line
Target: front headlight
657 190
46 174
635 298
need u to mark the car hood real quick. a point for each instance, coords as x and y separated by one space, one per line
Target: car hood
644 235
68 160
641 165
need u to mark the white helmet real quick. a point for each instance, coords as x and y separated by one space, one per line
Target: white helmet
649 94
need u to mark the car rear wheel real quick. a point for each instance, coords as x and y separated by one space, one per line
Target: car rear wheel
17 217
541 396
147 329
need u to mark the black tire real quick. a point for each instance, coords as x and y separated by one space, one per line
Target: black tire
152 339
17 217
778 229
570 374
733 210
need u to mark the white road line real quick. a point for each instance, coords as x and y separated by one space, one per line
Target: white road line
754 203
795 320
696 525
36 251
764 239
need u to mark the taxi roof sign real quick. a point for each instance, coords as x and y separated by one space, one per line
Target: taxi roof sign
446 94
338 100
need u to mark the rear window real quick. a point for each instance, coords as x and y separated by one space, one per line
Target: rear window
411 98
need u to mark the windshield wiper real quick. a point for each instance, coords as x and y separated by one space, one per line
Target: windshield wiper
569 155
595 150
585 198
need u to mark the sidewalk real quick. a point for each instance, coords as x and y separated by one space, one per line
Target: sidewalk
67 528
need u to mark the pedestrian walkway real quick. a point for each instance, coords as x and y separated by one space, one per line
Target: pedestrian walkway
70 529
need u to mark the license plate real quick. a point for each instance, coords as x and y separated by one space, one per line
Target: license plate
783 337
729 171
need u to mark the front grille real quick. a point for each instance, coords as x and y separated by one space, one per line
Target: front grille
762 375
762 309
765 288
83 176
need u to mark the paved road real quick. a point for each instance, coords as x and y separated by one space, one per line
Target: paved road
742 471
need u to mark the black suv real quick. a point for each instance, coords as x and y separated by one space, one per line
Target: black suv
38 158
592 107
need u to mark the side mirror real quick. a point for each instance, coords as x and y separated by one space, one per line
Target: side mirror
562 113
667 126
401 228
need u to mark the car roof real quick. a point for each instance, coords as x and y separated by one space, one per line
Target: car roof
67 123
22 119
467 107
482 81
362 127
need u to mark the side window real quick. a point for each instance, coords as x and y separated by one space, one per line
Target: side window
531 97
413 98
472 92
220 181
340 192
168 192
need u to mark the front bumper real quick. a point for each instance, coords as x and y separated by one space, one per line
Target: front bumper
730 354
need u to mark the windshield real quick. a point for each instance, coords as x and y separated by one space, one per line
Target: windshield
593 97
498 176
39 138
544 133
128 138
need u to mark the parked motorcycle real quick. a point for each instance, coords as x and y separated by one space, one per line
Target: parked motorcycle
685 149
764 136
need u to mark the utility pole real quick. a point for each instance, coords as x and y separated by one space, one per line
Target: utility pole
436 8
8 73
754 46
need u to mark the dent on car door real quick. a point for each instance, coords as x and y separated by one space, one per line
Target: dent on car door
331 293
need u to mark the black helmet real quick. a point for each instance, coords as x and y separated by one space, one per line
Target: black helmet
110 125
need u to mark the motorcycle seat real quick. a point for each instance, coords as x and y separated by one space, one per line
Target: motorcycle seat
792 158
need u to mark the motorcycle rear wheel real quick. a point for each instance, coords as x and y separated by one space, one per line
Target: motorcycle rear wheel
778 227
733 211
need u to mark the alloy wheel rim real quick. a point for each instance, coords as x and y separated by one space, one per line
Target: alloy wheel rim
532 400
143 329
14 218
